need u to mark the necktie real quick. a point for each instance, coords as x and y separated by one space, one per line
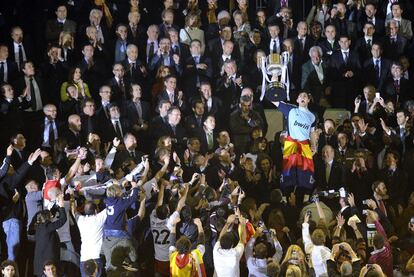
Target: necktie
332 45
198 121
20 57
151 51
342 153
369 45
133 70
139 109
327 172
122 87
397 87
302 44
32 94
171 95
90 63
209 141
346 57
132 154
118 129
402 134
196 60
377 68
51 133
274 50
60 24
175 50
2 79
382 207
173 129
90 125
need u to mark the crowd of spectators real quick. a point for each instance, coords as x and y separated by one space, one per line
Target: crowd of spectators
134 139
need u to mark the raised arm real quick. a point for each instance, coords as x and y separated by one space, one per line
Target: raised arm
141 211
183 198
6 162
74 168
160 198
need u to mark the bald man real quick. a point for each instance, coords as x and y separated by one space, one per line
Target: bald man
73 134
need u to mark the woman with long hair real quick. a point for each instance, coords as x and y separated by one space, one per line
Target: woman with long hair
75 79
319 12
192 30
294 258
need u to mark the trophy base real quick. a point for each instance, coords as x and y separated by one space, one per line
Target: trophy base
275 91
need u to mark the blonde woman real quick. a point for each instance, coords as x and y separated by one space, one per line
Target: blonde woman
67 46
241 30
192 30
294 256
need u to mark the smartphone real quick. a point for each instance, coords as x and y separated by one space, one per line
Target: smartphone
377 95
365 202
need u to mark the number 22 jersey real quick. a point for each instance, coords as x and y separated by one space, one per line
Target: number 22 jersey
161 229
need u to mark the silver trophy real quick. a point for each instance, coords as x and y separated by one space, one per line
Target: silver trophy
275 84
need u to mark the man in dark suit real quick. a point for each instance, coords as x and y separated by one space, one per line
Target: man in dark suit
197 69
136 32
19 155
95 20
138 115
194 121
8 68
364 44
219 49
302 43
150 48
89 120
135 70
229 88
173 129
207 135
116 125
55 26
73 133
377 69
395 178
396 88
294 66
344 27
170 93
165 57
54 72
10 115
315 77
130 152
394 44
345 69
274 42
120 85
167 16
369 15
20 49
93 70
177 47
330 44
242 122
329 173
212 104
157 121
50 128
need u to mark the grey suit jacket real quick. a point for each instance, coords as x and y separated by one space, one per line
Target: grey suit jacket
405 29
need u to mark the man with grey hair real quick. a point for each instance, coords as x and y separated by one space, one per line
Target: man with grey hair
50 129
151 46
314 75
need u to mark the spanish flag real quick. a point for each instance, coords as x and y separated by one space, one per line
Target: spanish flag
298 165
187 265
